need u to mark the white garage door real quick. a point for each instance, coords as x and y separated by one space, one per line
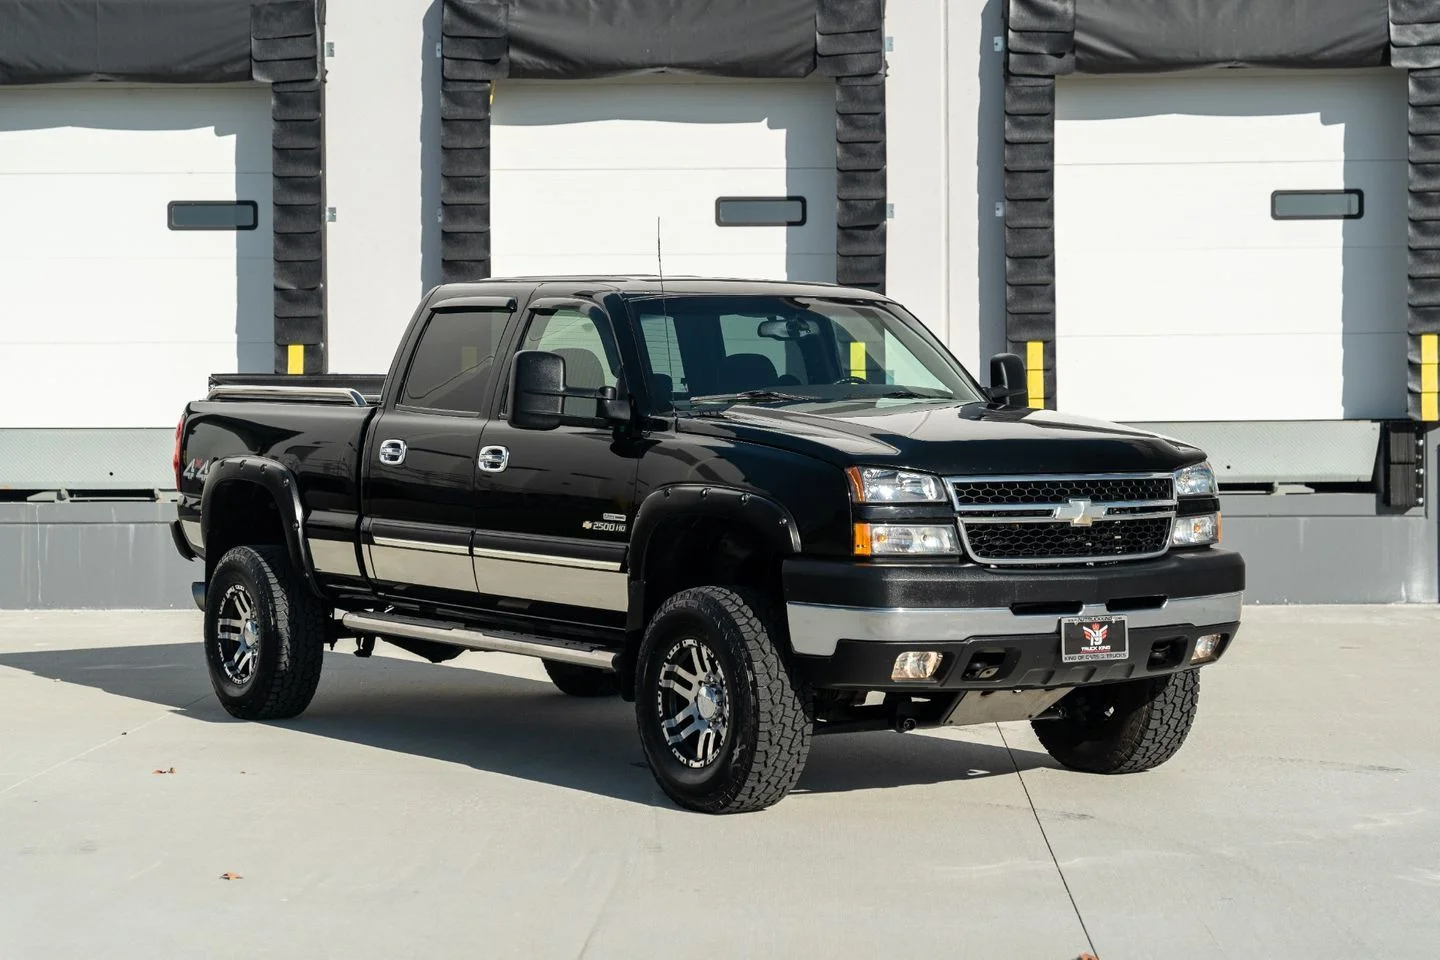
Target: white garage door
582 170
111 318
1181 293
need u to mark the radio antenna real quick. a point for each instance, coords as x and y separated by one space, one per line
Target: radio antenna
659 259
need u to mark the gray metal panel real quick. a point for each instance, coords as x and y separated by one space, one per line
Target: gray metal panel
87 459
91 555
1269 451
1329 557
1336 559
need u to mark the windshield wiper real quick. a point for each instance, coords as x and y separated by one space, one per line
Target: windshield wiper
748 396
897 395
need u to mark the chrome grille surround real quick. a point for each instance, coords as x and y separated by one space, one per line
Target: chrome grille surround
1119 509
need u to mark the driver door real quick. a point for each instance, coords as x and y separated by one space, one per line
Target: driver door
555 506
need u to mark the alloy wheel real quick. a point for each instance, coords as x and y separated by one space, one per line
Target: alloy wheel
693 703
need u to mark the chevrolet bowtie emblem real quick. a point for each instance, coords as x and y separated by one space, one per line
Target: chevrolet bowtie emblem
1080 513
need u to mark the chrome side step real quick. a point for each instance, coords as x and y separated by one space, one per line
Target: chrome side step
581 655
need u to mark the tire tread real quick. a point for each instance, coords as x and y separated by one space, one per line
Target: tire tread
298 647
785 719
1155 731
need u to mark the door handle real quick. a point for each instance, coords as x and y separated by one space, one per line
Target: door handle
392 452
494 459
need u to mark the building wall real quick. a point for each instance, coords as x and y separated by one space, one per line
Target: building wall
945 261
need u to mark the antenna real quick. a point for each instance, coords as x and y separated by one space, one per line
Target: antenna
659 259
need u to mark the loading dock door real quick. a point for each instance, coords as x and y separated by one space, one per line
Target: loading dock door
1182 294
114 307
581 170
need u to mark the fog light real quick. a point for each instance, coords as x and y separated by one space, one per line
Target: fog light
1205 647
915 665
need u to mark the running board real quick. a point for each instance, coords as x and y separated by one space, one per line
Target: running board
562 651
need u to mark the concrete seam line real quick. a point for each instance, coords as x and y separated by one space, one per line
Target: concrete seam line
1046 837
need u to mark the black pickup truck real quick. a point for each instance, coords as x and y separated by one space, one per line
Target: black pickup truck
757 510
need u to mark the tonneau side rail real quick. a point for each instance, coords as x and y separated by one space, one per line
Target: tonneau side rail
341 395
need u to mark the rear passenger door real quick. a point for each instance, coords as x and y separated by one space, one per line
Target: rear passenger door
419 475
555 506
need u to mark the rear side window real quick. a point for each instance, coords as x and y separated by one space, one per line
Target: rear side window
454 362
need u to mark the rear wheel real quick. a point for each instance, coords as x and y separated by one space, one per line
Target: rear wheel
1123 727
264 634
577 681
724 726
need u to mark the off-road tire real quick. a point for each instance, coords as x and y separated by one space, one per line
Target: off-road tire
771 713
291 622
577 681
1151 720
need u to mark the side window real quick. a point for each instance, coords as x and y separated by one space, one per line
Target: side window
591 360
667 370
753 362
454 361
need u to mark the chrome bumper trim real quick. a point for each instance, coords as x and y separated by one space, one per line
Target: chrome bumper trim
815 629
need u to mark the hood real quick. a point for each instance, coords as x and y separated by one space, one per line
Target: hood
946 437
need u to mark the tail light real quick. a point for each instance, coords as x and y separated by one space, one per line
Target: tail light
175 460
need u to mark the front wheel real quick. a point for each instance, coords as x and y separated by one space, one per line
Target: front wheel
1122 727
264 635
724 726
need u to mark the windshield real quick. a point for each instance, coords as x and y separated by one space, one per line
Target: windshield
724 349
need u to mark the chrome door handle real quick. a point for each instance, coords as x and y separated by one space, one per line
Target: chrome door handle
493 459
392 452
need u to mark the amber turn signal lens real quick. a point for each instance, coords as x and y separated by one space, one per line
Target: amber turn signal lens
862 539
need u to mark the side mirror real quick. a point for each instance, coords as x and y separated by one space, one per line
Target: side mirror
538 393
1007 380
537 390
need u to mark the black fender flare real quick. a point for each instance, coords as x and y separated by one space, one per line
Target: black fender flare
769 517
277 480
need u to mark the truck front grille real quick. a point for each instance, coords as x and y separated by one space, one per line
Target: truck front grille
1052 520
1049 542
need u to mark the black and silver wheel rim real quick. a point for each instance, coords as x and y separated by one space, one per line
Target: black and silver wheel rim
693 703
237 635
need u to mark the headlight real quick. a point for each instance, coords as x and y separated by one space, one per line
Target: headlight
1196 531
1196 481
905 540
883 485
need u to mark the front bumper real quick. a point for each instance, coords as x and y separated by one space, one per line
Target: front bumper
1000 629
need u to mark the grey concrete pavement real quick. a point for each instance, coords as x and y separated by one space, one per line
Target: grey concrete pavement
469 809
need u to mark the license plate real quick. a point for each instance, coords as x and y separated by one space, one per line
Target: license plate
1093 638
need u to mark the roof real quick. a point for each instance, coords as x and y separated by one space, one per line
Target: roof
640 284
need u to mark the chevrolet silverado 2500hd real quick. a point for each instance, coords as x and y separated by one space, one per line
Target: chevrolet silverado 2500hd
757 510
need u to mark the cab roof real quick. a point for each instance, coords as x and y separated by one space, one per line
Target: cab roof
643 284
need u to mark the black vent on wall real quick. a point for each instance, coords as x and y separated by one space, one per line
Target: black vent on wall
285 52
850 47
1040 45
475 48
1415 46
1402 465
